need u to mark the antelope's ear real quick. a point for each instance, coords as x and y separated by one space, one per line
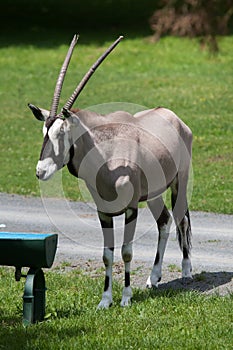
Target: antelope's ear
71 117
39 113
66 113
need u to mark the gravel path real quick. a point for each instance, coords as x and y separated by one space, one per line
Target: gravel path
80 241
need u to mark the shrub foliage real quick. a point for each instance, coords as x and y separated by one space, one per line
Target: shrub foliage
193 18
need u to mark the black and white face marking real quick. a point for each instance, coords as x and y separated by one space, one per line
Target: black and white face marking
55 149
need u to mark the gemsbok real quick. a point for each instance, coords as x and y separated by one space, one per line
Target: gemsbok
124 159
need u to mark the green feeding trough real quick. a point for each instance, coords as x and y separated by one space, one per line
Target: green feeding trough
35 251
27 249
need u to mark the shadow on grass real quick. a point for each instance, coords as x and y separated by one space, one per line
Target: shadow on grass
75 311
27 338
51 37
204 282
9 320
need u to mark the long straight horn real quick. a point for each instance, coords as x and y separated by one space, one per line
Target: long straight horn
87 76
60 79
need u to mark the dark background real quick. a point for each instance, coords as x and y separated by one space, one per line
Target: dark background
52 22
19 19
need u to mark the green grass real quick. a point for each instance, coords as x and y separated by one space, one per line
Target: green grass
173 73
156 320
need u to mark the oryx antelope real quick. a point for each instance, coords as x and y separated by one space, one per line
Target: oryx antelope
124 159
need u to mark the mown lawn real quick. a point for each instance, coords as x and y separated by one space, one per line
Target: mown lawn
174 73
156 320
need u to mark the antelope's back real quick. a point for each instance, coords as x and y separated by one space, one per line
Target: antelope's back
165 125
165 140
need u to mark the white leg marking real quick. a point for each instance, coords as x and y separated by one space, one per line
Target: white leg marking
127 254
106 300
126 296
155 277
186 268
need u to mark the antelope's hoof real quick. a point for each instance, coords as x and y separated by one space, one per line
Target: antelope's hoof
126 297
106 301
104 305
126 302
151 284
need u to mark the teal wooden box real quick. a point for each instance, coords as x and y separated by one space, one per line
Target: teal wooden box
36 251
21 249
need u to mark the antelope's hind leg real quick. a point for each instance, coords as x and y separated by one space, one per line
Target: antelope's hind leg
183 225
164 220
108 254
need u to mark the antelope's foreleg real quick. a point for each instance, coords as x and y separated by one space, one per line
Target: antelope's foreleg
108 254
127 253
